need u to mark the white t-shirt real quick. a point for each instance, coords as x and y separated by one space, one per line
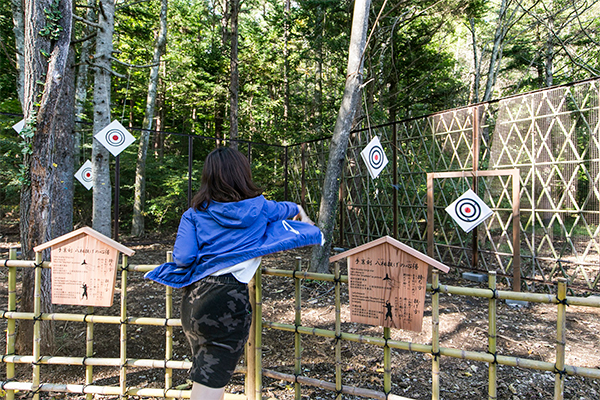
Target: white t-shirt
243 271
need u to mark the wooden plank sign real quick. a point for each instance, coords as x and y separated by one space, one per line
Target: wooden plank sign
388 281
84 268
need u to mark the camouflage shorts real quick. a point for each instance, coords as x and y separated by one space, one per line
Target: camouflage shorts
216 315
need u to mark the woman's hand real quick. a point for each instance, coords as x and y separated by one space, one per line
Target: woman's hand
302 216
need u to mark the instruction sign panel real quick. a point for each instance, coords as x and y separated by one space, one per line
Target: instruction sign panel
83 272
387 288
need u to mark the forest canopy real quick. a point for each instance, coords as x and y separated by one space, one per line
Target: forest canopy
421 57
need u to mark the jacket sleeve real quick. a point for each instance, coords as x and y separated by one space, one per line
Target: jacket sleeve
277 211
186 249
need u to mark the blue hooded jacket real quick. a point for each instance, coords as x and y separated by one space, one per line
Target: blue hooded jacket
226 234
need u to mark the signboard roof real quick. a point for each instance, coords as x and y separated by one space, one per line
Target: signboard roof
88 231
393 242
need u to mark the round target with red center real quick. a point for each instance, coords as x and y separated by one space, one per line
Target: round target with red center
115 137
86 174
376 157
467 210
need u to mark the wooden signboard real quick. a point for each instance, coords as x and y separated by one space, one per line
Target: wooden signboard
387 281
84 267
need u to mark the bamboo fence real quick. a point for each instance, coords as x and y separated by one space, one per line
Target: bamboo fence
254 371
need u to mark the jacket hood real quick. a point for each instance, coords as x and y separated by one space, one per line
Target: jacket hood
239 214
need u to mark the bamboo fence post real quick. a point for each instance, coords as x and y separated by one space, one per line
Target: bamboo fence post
168 330
338 333
250 350
258 339
123 329
492 318
37 314
559 367
11 323
297 338
435 336
89 351
387 364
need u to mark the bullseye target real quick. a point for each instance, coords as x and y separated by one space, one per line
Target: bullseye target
374 157
468 210
115 138
84 175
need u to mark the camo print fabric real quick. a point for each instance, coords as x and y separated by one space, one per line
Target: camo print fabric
216 315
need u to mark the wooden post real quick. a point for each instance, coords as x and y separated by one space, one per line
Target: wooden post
297 338
37 314
123 329
435 336
251 345
89 351
168 330
475 183
559 367
258 337
492 318
338 333
387 363
430 221
11 323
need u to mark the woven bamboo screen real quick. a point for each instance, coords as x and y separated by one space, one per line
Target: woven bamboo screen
552 136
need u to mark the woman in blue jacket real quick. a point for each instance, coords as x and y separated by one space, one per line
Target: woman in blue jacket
218 248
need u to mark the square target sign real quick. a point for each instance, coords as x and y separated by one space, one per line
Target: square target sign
374 156
468 211
115 137
84 175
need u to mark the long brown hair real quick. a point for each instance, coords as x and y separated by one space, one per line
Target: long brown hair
226 177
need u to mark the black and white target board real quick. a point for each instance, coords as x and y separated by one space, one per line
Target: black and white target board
84 175
115 137
375 158
468 210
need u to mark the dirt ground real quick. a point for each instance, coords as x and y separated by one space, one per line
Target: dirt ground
527 332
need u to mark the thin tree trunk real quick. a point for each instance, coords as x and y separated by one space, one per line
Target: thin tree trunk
339 141
474 98
286 67
101 214
82 77
234 85
137 226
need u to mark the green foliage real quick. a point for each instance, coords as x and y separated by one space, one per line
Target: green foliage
52 29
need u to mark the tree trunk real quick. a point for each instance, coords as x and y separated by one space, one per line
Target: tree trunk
137 225
82 77
48 114
474 97
101 214
339 141
234 84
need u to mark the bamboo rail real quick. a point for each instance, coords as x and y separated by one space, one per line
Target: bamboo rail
559 368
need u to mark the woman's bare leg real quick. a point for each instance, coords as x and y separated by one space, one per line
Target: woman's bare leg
201 392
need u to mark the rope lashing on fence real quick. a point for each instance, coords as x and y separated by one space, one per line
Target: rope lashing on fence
562 373
494 294
495 354
564 301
